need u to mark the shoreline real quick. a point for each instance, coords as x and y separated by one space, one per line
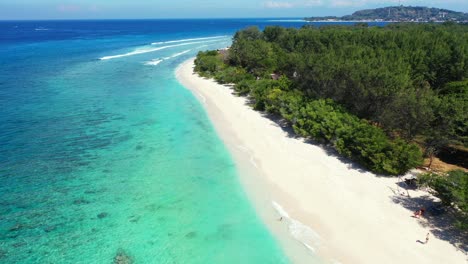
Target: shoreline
343 214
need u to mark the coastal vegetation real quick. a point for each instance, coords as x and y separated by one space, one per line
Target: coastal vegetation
400 14
382 96
452 190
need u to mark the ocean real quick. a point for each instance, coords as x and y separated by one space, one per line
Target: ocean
106 158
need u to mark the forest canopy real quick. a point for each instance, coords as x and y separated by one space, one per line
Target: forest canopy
371 92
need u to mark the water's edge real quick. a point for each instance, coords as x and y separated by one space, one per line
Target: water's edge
287 231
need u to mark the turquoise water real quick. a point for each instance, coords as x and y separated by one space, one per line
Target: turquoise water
107 160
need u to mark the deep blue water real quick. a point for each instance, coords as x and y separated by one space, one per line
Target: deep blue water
104 154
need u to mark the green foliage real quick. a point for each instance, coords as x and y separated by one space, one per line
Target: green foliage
405 156
243 87
232 75
324 120
450 124
451 189
256 55
403 77
410 113
368 91
250 33
460 87
259 91
289 104
267 93
208 63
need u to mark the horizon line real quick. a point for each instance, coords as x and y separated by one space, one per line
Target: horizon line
167 18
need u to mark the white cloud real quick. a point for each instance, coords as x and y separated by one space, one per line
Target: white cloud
313 3
345 3
273 4
69 8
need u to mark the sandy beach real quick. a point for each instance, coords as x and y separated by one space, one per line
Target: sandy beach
310 199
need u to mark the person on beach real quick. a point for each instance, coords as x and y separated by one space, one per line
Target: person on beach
419 212
427 238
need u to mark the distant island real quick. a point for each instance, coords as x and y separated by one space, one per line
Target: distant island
400 14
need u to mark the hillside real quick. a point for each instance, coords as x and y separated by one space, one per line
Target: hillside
400 14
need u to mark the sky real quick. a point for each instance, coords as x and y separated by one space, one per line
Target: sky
120 9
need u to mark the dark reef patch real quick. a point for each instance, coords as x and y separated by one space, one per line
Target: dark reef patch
134 218
139 147
17 245
102 215
81 201
48 229
16 227
191 235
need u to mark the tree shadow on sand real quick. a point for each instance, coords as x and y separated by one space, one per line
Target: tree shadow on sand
440 219
327 148
289 131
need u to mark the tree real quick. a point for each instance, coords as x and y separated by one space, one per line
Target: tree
452 188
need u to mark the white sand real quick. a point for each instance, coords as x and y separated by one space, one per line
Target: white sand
351 212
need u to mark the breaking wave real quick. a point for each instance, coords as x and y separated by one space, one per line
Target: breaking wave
153 62
146 50
302 233
185 40
177 54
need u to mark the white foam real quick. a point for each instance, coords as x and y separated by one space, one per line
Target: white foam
153 62
146 50
157 61
302 233
185 40
287 20
243 148
202 97
177 54
41 29
251 157
252 160
309 247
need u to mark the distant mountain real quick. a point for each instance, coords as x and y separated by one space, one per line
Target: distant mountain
400 14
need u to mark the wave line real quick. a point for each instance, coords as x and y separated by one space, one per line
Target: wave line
136 52
301 232
185 40
153 62
177 54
